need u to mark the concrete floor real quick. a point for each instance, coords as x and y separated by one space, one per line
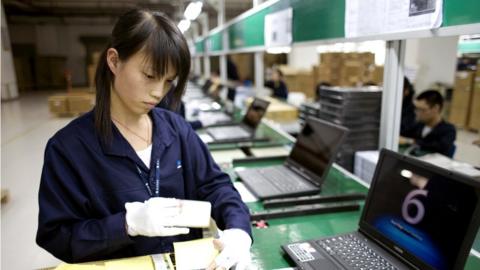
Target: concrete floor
25 128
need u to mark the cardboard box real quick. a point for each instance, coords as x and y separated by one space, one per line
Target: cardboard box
74 102
364 164
58 104
80 103
299 81
462 98
474 117
374 75
331 59
305 84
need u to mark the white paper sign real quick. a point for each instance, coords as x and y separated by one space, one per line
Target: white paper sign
373 17
278 28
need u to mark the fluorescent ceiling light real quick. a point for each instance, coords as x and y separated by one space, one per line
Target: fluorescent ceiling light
193 10
183 25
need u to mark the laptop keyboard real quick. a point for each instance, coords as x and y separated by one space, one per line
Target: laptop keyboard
230 132
354 252
281 178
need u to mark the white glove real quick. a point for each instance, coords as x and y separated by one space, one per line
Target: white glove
234 246
155 217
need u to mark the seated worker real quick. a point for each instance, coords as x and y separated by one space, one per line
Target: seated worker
109 176
233 79
215 87
408 109
431 133
277 84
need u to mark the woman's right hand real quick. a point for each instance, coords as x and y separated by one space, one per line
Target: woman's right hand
155 217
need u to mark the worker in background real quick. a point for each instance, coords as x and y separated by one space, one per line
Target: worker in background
277 84
408 108
431 133
233 79
215 86
109 177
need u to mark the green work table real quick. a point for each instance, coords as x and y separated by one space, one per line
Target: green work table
266 250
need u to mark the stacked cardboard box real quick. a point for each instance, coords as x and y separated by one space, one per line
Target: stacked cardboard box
71 103
347 69
474 118
299 81
462 97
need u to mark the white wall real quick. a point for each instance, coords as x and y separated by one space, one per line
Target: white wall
61 40
303 57
9 80
433 59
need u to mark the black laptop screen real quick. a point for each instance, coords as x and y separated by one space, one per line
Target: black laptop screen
317 145
255 112
424 213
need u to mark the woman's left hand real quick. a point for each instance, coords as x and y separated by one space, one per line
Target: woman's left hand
234 246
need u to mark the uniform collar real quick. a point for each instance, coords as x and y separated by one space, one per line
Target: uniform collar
163 135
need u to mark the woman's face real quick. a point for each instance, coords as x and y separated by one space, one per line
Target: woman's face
275 76
135 87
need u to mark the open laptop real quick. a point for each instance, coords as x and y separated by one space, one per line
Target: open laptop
305 168
416 216
244 130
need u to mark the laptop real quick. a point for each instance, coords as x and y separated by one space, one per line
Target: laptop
416 216
215 118
306 167
246 129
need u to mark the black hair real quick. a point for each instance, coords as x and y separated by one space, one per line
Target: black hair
408 85
432 98
280 73
163 44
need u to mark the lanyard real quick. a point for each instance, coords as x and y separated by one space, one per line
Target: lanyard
145 181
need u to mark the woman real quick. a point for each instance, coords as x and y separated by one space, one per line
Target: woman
277 84
107 175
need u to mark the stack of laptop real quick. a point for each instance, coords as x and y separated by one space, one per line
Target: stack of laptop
306 167
358 109
416 216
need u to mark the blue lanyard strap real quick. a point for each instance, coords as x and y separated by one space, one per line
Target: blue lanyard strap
157 178
145 181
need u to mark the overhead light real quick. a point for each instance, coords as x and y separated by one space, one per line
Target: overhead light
193 10
183 25
278 50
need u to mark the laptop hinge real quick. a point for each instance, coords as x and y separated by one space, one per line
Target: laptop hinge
298 171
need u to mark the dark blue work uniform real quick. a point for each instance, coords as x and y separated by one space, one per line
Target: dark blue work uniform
85 185
441 138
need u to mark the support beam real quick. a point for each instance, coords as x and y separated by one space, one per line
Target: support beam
223 57
259 70
259 65
203 18
196 60
392 95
